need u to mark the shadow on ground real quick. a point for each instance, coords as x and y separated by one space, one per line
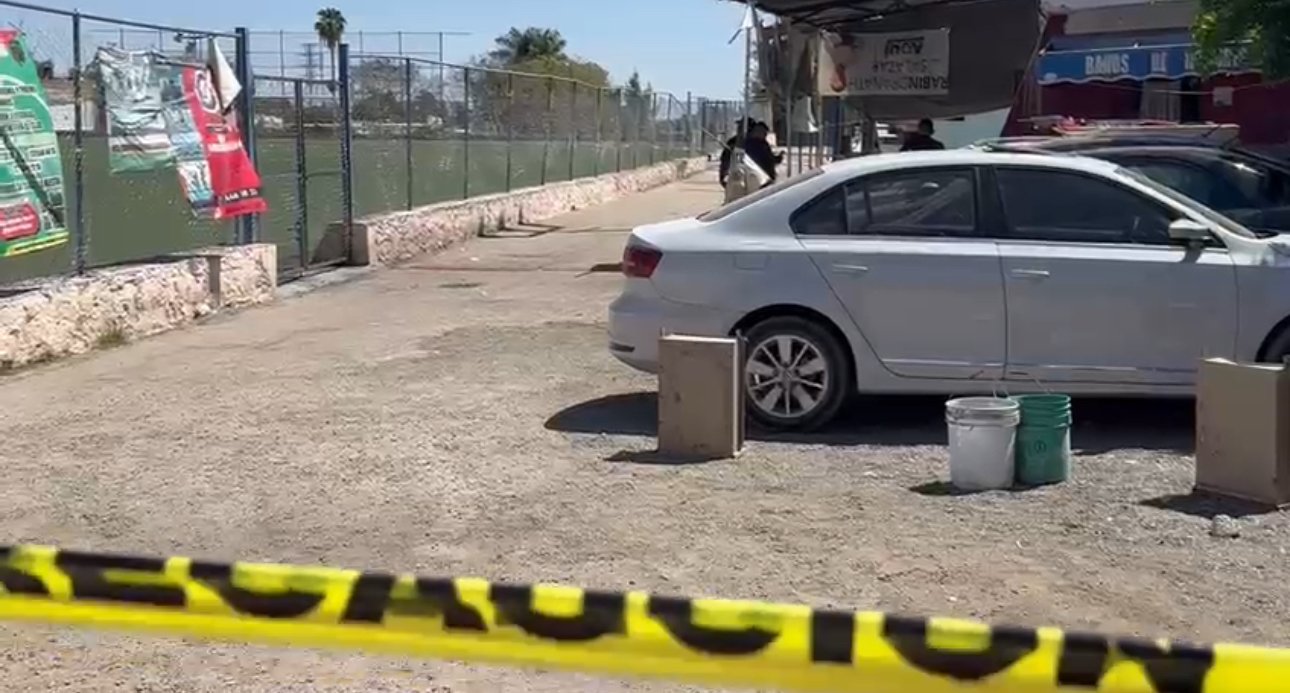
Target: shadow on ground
1100 425
1199 504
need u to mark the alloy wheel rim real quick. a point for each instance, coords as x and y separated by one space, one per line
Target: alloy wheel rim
786 376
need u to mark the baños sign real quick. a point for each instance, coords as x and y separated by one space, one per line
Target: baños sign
906 63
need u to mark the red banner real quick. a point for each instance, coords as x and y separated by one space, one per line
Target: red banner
233 178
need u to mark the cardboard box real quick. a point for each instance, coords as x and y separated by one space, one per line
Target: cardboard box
700 398
1243 431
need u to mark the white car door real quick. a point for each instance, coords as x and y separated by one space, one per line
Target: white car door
902 252
1097 292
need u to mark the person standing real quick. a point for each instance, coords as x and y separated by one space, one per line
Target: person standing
921 139
758 149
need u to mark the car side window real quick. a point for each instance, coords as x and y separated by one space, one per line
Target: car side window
1263 184
1192 181
1047 205
823 216
931 202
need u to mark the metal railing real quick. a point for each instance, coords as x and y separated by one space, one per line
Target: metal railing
388 133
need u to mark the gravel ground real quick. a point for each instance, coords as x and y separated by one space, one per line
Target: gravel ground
461 416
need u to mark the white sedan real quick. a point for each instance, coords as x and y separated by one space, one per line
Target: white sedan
957 272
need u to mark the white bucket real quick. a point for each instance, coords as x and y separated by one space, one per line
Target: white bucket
983 432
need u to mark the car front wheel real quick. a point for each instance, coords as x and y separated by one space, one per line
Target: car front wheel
796 374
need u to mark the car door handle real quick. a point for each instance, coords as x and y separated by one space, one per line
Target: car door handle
1030 274
850 269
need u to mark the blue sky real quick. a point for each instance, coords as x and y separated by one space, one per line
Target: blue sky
677 45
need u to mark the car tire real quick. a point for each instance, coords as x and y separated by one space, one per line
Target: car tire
818 373
1279 348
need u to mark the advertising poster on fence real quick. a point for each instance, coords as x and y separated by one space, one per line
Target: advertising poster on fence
138 139
185 140
907 63
32 209
233 177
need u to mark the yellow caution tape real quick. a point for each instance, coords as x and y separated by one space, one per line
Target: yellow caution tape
706 641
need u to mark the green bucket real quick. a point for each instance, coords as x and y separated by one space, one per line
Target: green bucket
1044 439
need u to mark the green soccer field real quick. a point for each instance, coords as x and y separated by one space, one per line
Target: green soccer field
142 215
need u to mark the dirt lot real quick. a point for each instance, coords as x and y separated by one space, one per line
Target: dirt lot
461 416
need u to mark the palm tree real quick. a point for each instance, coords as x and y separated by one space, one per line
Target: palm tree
330 28
517 46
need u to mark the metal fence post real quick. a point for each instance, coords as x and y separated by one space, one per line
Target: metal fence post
79 231
622 132
346 139
546 128
407 122
689 124
510 129
302 177
465 179
671 131
573 129
703 125
245 75
600 97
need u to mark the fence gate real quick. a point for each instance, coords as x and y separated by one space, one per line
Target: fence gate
299 140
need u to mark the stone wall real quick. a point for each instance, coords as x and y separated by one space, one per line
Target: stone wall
73 315
388 239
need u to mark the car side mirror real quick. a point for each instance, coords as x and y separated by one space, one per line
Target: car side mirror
1188 231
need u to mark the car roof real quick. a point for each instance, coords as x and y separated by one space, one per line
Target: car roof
964 157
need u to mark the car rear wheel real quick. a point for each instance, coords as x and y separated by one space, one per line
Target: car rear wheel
796 374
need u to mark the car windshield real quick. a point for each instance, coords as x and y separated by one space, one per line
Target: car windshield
1210 215
728 209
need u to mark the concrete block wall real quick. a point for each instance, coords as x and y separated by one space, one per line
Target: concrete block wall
73 315
389 239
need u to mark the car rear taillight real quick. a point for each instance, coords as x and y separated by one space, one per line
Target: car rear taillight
640 261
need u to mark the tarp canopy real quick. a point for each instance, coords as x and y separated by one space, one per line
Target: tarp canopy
991 46
848 15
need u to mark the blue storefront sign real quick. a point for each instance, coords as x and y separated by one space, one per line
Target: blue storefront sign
1133 63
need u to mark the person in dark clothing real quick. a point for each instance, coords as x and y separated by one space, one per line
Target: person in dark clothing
757 148
921 139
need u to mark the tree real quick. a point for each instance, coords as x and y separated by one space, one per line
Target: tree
379 91
522 46
1262 26
330 28
541 96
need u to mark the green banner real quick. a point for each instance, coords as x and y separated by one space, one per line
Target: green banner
137 136
32 210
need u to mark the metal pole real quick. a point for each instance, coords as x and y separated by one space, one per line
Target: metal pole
250 227
689 124
790 75
742 131
600 94
79 231
465 179
622 133
671 131
399 35
510 130
653 126
573 128
360 42
346 140
407 122
302 178
703 125
441 62
546 129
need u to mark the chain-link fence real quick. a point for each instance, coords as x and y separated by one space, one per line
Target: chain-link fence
385 133
426 131
112 218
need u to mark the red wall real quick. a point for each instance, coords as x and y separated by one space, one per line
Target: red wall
1262 110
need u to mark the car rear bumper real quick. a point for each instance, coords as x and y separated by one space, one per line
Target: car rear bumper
637 322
